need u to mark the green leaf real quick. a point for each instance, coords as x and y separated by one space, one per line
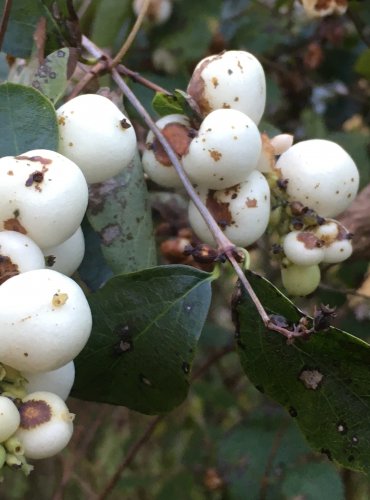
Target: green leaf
110 22
52 75
362 65
323 382
119 212
145 331
313 481
260 455
164 104
23 21
27 120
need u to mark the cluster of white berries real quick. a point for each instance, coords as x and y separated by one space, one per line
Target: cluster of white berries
45 319
236 169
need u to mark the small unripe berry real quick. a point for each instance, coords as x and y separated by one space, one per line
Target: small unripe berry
225 151
303 248
96 135
321 175
9 418
46 425
234 79
301 280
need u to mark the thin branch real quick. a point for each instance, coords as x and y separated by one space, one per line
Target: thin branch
136 77
131 37
94 72
135 448
216 356
223 242
4 20
225 247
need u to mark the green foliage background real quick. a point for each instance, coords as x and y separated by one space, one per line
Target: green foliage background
226 440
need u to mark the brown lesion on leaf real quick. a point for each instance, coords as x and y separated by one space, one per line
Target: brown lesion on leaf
110 233
309 239
251 203
312 379
220 210
179 136
215 155
8 268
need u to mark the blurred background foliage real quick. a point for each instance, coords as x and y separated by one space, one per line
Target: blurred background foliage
227 441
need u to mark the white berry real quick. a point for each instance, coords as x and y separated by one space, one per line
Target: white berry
303 248
9 418
241 211
18 254
321 175
59 381
67 256
234 79
225 151
156 163
45 320
301 280
46 425
158 10
43 195
96 135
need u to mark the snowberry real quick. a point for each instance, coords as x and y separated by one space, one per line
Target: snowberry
96 135
234 79
300 280
43 195
18 254
59 381
303 248
46 425
225 151
337 241
320 175
45 320
317 8
272 148
67 256
158 11
156 164
9 418
242 211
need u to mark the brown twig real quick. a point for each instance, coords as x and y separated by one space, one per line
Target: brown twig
99 68
4 20
136 77
135 448
131 36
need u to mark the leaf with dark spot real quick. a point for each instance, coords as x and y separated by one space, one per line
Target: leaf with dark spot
119 211
144 337
325 379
